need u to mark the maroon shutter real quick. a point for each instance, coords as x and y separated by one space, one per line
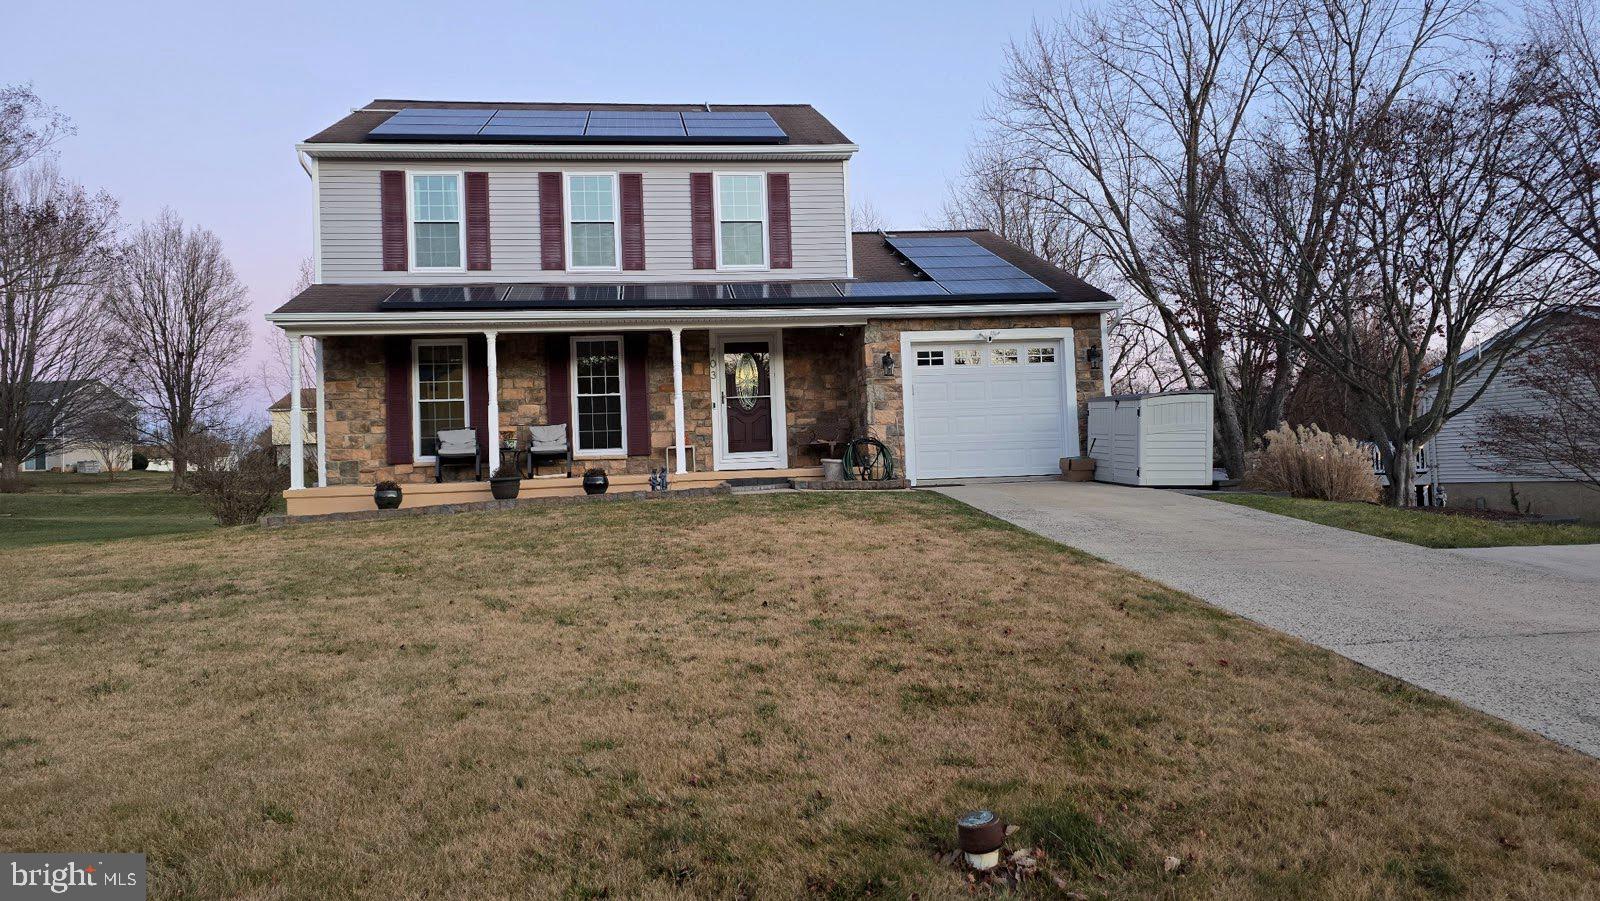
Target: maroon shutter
557 387
397 399
636 391
478 387
392 208
778 220
631 185
702 228
552 242
477 220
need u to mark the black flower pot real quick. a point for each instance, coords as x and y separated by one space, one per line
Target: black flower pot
387 498
595 482
506 488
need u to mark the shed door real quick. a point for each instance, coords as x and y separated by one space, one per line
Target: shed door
989 409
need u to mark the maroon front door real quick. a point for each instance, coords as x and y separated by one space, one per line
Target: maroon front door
747 396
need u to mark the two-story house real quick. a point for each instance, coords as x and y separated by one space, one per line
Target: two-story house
678 284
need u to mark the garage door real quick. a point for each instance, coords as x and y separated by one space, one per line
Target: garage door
988 409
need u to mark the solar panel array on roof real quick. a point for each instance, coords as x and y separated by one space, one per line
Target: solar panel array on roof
963 266
556 126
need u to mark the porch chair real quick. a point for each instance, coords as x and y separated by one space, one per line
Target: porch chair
548 444
457 447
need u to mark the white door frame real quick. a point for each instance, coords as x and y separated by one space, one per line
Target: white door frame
778 457
1069 377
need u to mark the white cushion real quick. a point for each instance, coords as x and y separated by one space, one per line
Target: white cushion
545 439
458 442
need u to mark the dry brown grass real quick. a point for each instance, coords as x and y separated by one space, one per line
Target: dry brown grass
1307 462
761 696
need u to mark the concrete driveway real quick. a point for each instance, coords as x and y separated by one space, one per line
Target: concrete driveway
1517 640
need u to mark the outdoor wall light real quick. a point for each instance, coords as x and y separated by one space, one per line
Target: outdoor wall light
888 363
1092 356
981 834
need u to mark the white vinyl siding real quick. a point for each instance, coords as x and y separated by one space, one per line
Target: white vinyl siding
352 230
1449 452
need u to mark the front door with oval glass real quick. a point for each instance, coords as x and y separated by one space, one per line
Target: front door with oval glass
749 399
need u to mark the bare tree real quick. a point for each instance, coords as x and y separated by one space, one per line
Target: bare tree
865 217
178 311
1558 434
274 370
1560 65
54 240
110 431
28 127
1129 122
1450 243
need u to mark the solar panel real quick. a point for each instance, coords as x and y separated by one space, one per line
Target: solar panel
891 289
963 266
509 125
444 296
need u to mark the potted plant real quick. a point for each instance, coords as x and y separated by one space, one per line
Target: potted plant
505 483
386 494
595 481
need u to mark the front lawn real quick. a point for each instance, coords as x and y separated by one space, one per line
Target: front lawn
1428 528
756 696
71 507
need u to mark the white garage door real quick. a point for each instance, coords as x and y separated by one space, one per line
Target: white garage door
988 409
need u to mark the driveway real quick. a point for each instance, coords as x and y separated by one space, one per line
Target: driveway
1515 639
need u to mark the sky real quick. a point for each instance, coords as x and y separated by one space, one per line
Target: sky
198 106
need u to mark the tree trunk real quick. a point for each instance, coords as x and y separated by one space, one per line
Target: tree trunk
180 465
10 475
1400 465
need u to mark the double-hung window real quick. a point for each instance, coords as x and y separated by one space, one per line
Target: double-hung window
440 368
592 221
597 395
742 221
437 236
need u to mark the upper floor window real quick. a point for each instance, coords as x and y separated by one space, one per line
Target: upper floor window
742 221
437 238
592 221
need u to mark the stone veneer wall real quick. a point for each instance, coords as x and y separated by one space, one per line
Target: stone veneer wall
885 405
821 381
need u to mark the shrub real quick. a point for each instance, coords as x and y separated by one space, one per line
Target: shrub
1307 462
140 461
242 492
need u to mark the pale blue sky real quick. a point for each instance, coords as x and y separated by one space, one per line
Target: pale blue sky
198 106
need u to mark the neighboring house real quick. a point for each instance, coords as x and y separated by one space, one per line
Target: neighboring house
279 413
100 431
679 285
1468 477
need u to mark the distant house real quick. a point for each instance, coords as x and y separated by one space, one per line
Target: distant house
1468 477
97 435
279 414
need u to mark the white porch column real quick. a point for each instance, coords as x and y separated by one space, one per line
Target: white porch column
677 397
322 422
491 339
297 421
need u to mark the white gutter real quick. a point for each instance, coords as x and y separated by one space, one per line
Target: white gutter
475 320
384 150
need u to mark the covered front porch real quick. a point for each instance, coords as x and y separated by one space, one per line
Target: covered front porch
707 404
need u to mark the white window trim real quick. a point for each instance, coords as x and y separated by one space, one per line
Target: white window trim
417 456
579 452
411 218
766 225
616 220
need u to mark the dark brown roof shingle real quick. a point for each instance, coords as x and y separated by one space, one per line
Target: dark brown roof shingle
800 121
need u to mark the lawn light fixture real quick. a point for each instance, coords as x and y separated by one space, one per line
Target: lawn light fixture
980 834
887 363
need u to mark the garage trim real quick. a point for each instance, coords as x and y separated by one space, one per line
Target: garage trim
908 340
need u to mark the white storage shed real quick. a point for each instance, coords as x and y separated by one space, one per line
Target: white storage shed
1154 440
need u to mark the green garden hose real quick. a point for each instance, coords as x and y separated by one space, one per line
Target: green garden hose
860 464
